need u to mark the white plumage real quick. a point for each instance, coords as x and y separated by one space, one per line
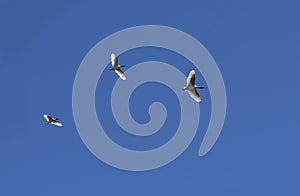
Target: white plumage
116 67
50 120
191 87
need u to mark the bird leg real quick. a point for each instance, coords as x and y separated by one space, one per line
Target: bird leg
201 87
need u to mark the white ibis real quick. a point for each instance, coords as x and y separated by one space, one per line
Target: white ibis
191 87
116 67
50 120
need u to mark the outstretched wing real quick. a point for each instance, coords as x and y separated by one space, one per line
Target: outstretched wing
120 73
57 123
114 60
191 78
47 117
195 95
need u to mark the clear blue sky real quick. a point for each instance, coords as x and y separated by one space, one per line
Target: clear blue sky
256 46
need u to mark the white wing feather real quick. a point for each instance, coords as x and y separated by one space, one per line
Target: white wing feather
121 74
114 60
191 78
47 117
57 123
194 94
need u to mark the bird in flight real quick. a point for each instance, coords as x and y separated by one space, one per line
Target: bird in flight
191 87
50 120
116 67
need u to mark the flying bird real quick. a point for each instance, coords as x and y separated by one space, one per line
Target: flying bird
50 120
116 67
191 87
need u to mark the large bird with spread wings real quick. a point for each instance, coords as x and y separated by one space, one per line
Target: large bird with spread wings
191 87
116 67
50 120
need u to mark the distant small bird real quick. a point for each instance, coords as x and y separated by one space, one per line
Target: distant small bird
116 67
50 120
191 87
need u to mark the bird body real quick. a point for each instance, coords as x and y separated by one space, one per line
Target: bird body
50 120
116 67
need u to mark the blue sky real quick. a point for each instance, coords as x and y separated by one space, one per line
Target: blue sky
256 46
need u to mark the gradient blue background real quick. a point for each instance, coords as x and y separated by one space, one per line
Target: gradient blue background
256 46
